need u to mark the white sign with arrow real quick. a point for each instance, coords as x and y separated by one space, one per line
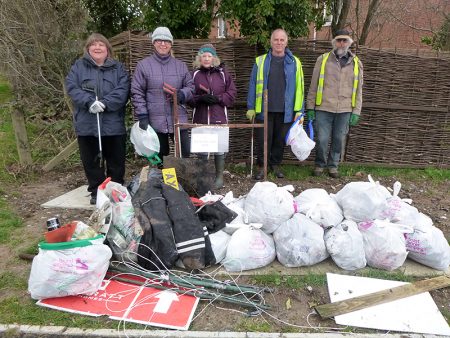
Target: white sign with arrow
165 299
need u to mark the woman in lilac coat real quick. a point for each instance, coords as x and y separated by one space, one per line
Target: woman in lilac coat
215 91
155 79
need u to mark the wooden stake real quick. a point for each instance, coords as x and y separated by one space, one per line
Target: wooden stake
381 297
176 129
20 131
65 153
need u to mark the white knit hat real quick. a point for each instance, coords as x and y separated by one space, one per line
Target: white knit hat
162 33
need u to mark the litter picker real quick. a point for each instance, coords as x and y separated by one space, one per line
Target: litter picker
99 156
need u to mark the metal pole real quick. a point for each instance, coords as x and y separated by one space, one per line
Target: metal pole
266 116
251 149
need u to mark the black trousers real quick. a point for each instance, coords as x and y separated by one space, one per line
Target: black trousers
113 149
276 132
164 147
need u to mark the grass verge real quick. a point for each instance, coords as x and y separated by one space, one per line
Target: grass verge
297 172
292 282
8 220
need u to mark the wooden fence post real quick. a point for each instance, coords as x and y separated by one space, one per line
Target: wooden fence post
20 132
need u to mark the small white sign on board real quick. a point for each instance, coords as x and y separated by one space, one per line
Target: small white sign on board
204 143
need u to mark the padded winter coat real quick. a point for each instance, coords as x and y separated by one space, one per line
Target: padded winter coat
219 83
110 83
147 93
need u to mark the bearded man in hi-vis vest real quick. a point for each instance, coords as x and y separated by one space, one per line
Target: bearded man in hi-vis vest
334 101
280 72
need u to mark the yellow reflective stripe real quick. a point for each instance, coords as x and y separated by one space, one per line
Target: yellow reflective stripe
259 83
298 105
319 92
355 80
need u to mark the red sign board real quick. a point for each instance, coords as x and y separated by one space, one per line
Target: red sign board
132 303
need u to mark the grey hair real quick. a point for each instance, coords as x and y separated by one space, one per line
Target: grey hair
279 30
197 63
333 42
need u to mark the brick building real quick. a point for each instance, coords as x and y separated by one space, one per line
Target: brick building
397 24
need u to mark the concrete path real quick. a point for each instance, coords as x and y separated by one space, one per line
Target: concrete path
65 332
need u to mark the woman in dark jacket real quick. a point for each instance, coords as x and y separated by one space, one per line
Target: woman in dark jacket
99 86
215 91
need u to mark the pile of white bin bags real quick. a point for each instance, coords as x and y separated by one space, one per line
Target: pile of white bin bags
362 224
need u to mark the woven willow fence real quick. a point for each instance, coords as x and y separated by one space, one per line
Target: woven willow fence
405 117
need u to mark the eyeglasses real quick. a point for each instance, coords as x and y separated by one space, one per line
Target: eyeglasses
160 42
341 40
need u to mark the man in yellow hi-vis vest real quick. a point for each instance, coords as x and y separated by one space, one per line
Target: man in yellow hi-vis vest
334 101
280 72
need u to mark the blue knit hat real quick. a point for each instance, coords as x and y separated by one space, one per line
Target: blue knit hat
207 48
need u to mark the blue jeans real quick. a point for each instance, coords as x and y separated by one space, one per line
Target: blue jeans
330 125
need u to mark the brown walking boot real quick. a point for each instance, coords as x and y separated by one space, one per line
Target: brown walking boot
318 171
333 172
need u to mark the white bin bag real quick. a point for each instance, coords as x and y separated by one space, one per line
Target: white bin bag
301 144
362 201
69 268
146 142
428 246
219 243
345 244
318 205
249 248
384 244
299 242
270 205
399 210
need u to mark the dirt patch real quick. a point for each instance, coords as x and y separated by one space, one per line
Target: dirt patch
288 305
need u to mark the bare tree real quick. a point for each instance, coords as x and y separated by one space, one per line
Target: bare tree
340 10
39 39
371 12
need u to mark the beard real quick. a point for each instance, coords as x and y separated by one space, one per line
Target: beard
341 51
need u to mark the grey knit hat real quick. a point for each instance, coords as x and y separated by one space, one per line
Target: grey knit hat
162 33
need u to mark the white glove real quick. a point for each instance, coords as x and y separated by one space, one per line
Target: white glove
96 107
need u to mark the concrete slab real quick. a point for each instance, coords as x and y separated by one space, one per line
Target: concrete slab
75 199
410 268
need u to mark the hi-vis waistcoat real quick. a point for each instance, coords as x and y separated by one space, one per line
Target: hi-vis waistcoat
298 104
322 78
